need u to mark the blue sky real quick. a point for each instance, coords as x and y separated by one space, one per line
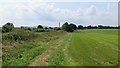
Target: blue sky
34 12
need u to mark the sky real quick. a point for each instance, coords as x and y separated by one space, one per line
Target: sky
50 13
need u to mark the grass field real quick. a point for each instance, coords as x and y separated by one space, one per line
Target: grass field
94 47
80 48
88 48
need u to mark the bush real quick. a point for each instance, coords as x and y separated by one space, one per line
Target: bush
46 27
50 28
19 35
40 26
7 27
30 29
39 30
56 28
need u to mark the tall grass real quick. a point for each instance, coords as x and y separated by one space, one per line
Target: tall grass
29 44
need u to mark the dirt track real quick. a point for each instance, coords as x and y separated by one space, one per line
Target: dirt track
42 60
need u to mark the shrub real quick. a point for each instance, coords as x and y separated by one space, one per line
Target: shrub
30 29
46 27
22 35
40 30
50 28
40 26
7 27
57 28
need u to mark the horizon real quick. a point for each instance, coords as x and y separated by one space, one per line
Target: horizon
51 13
61 25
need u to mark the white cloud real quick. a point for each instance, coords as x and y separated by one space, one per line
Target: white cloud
92 10
39 12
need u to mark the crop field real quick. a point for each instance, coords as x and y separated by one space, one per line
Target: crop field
91 47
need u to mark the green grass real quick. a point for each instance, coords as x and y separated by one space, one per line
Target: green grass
87 48
25 55
22 53
57 57
94 47
98 47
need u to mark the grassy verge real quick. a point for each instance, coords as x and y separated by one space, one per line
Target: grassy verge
22 53
57 57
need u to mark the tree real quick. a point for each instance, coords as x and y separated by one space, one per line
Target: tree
7 27
50 28
89 27
22 27
80 27
57 28
100 26
64 26
40 26
73 26
67 27
46 27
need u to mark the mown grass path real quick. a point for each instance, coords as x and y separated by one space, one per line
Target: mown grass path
42 60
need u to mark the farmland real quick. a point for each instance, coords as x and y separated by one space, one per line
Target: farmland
88 48
97 47
94 47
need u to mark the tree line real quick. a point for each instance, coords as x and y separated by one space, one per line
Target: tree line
97 27
71 27
66 27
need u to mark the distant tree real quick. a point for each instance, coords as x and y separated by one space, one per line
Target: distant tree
22 27
57 28
64 26
7 27
80 27
40 26
94 27
73 26
67 27
89 27
100 26
50 28
46 27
